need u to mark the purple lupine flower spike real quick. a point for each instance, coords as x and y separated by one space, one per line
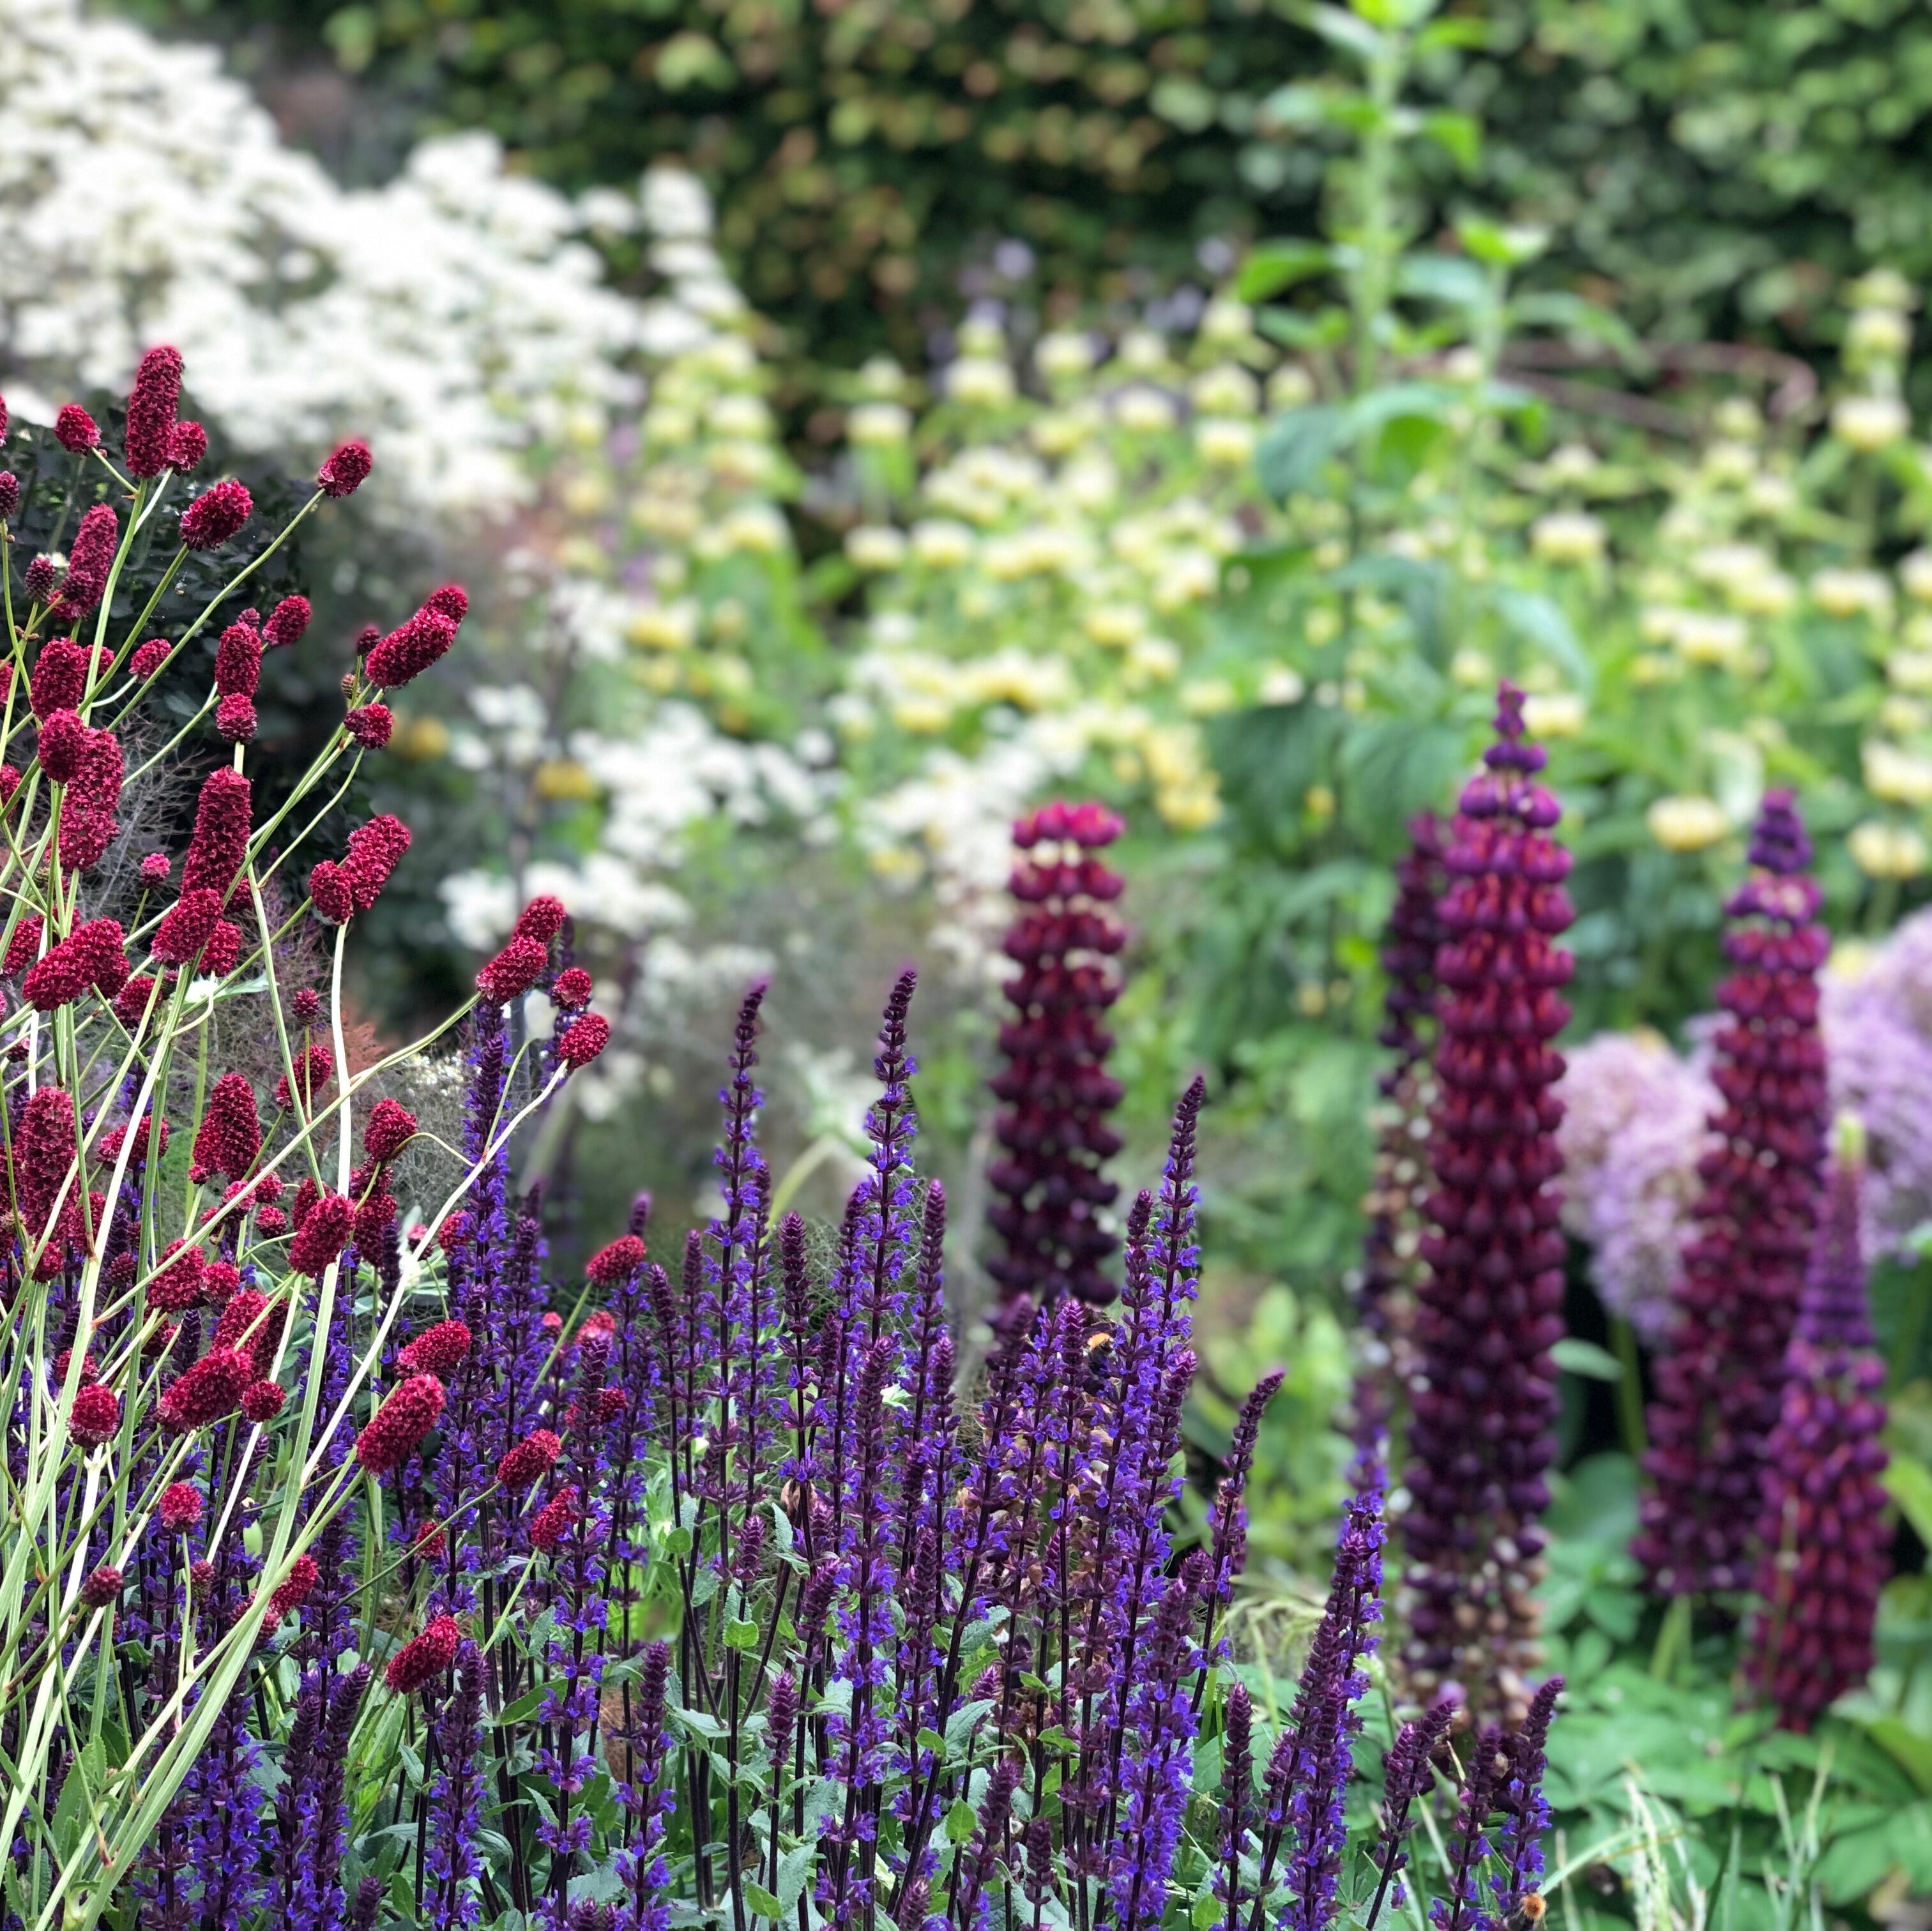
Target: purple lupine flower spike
1483 1434
1736 1297
1391 1264
1825 1541
1054 1090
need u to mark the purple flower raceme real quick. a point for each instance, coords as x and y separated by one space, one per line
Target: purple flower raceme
1054 1091
1717 1376
1824 1538
1483 1435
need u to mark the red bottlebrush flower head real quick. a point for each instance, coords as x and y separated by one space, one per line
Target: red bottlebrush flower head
102 1588
286 623
9 495
323 1234
54 980
219 848
9 782
439 1349
188 446
598 1321
245 1325
90 560
371 725
176 1285
271 1222
1481 1443
23 948
229 1140
514 971
611 1402
224 951
422 1660
583 1041
346 471
218 1285
156 869
95 1417
1824 1546
306 1008
181 1507
611 1265
63 1360
116 1137
529 1460
102 948
45 1149
201 1573
75 430
390 1127
263 1401
63 747
187 927
1054 1090
37 579
292 1591
1736 1301
306 1193
374 851
407 652
208 1392
571 992
454 1233
431 1545
373 1219
541 919
130 1003
452 602
149 659
152 407
238 661
330 893
553 1322
59 680
396 1430
235 719
552 1522
216 514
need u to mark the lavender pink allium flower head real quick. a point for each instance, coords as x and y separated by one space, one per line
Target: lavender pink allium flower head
1483 1434
1717 1376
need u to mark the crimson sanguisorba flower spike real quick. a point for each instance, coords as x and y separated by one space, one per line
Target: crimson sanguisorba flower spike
1490 1307
1391 1242
1053 1090
1735 1298
1824 1537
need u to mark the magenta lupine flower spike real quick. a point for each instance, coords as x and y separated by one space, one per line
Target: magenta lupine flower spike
1054 1091
1736 1297
1824 1534
1489 1308
1391 1264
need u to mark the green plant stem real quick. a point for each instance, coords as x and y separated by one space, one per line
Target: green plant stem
1630 1388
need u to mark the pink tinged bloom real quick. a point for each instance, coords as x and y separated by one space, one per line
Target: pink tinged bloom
439 1349
514 971
271 1222
187 443
102 1589
130 1003
330 893
389 1129
235 719
9 495
263 1401
286 623
103 947
223 953
208 1392
373 1219
152 407
397 1428
75 430
306 1008
54 980
407 652
229 1140
218 1285
371 725
541 919
216 515
551 1522
176 1285
452 602
46 1148
149 659
573 989
238 661
374 850
63 747
95 1417
314 1068
87 823
422 1660
59 680
219 847
187 927
325 1232
245 1323
91 558
37 579
346 471
181 1507
529 1460
116 1137
24 946
581 1044
616 1263
292 1591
